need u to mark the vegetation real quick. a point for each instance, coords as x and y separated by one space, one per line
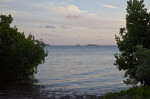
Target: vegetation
142 57
19 55
133 44
132 93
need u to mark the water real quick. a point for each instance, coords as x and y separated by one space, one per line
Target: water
70 70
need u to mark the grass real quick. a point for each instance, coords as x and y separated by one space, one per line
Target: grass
132 93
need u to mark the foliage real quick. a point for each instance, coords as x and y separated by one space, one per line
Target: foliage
131 93
19 55
137 32
142 57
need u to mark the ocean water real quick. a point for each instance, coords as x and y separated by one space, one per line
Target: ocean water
70 70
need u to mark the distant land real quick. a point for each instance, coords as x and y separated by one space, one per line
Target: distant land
87 45
78 45
81 45
92 45
47 44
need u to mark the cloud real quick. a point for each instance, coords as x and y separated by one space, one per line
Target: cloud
29 15
102 27
71 16
49 26
65 26
108 6
66 8
6 0
50 12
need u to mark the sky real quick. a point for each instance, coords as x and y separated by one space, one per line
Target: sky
69 22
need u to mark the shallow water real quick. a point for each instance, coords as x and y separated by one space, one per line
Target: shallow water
71 72
80 70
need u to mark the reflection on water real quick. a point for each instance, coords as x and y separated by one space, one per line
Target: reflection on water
71 71
22 91
80 69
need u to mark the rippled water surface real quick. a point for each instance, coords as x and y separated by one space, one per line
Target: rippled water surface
80 70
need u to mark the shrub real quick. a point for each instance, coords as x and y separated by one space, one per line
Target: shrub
19 55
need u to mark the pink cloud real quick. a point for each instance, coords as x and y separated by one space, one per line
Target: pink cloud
71 16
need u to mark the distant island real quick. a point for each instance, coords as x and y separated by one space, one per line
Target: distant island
78 45
92 45
87 45
47 45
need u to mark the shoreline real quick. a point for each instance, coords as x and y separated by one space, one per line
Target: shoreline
29 91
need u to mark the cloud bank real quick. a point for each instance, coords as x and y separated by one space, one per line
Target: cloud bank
62 23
